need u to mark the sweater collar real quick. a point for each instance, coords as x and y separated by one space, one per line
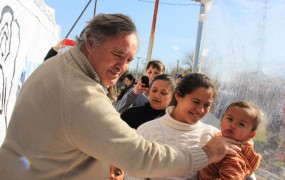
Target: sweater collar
177 124
83 63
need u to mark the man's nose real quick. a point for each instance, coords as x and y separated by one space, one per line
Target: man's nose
111 176
122 66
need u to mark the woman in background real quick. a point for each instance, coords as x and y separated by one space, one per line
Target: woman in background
129 82
161 91
138 95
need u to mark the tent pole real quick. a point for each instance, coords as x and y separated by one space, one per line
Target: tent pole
78 19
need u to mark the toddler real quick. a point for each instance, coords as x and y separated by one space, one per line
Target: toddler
239 122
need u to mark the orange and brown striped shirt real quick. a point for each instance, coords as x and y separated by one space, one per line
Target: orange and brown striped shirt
233 167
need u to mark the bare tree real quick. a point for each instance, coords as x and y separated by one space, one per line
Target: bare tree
188 60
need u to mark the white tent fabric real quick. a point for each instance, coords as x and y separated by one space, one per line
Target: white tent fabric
27 31
243 48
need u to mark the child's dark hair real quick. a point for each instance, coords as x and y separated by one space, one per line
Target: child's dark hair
246 104
191 82
156 64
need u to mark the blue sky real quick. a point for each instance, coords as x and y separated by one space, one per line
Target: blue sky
176 25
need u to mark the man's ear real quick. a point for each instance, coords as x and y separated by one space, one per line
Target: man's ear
89 44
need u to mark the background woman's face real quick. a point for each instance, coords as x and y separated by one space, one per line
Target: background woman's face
160 94
127 81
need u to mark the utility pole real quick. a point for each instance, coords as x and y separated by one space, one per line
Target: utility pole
137 67
151 39
196 62
204 8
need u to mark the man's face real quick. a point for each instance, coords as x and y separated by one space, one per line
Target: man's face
111 58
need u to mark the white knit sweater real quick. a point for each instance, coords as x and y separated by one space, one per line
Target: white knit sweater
169 131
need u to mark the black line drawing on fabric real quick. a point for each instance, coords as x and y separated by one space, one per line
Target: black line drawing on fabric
9 46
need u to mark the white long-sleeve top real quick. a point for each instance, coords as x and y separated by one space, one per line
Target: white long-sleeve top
169 131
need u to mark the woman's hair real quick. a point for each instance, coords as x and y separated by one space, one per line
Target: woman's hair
248 105
165 77
103 26
131 78
156 64
191 82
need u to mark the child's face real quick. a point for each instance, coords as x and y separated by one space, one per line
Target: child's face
116 173
192 107
237 123
152 72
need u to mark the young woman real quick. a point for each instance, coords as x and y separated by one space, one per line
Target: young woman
129 82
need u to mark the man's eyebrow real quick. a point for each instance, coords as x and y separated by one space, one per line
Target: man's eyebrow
120 53
117 52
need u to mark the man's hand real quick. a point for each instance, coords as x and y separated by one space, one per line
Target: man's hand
218 147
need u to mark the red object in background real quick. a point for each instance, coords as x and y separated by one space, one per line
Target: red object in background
69 42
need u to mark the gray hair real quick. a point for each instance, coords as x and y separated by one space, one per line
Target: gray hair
103 26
